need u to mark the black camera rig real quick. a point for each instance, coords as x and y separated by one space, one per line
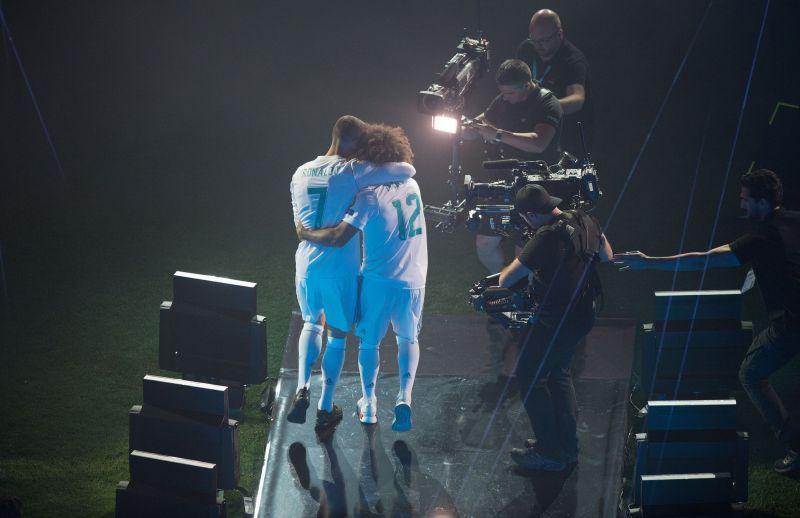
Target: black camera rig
449 93
576 185
447 97
512 307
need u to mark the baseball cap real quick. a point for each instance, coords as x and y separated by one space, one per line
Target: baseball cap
534 198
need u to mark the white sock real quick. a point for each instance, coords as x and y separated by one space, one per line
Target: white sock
308 347
407 361
369 362
332 363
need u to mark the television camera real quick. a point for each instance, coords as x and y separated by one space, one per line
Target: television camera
576 185
446 98
512 307
449 93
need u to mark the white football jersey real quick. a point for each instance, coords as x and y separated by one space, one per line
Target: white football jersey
322 190
395 238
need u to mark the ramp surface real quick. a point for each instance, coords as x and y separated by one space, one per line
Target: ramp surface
454 462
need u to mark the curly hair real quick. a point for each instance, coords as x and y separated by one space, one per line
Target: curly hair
764 184
381 143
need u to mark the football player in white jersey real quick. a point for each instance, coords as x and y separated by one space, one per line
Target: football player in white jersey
393 273
326 278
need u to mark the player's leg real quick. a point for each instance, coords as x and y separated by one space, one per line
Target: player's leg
373 323
332 363
406 322
309 344
339 299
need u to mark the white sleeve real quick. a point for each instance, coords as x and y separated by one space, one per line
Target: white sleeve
294 204
366 174
357 215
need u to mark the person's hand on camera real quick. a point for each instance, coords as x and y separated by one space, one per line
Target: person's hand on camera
486 131
631 261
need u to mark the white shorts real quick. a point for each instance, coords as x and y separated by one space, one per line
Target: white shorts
381 302
334 298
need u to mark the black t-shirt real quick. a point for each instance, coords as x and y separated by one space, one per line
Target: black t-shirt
559 271
568 67
541 106
773 251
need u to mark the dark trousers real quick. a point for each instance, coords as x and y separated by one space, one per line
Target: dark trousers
772 349
545 381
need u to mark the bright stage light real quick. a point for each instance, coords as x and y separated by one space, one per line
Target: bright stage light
445 123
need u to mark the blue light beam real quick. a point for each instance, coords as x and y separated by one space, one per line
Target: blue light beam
30 91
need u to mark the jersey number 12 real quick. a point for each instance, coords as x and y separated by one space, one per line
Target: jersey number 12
409 231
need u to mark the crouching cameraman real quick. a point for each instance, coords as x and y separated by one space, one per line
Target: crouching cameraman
562 255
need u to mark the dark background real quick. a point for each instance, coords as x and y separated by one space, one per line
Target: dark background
169 118
177 125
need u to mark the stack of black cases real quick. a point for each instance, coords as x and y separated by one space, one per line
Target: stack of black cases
689 458
694 346
211 330
688 455
183 450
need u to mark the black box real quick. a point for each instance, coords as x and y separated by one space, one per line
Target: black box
217 293
697 362
199 401
192 478
207 343
673 415
719 305
139 500
683 455
161 432
685 489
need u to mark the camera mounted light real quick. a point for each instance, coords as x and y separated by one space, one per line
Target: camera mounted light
445 123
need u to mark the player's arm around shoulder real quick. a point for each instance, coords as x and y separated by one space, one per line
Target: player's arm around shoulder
354 220
367 174
336 236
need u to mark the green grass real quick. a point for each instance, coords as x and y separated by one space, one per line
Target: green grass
82 331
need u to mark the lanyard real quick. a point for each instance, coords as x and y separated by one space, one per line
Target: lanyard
535 71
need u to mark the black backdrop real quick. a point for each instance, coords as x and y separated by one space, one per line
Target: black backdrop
180 114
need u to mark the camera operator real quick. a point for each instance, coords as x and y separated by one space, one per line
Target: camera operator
772 249
561 255
524 119
525 122
562 68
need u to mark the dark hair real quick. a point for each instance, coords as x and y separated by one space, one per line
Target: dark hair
513 72
381 143
347 131
763 184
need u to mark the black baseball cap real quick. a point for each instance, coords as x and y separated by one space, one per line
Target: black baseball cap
534 198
